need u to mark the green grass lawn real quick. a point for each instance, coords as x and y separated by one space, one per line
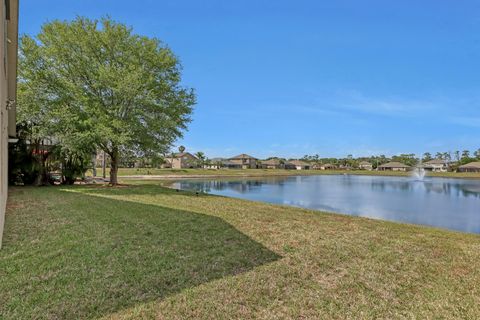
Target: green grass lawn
147 252
267 172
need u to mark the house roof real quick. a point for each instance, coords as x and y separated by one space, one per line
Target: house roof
474 165
365 163
328 165
272 162
436 161
321 165
243 156
393 164
182 154
299 163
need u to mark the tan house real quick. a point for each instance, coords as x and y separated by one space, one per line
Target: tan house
470 167
324 166
182 160
244 161
394 166
345 167
299 165
436 165
100 157
365 165
272 164
8 92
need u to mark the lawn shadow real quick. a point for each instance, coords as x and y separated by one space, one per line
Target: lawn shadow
99 255
144 189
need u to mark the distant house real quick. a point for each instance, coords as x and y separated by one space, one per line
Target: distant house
219 163
393 166
345 167
181 160
470 167
272 164
436 165
244 161
321 166
214 163
100 157
365 165
289 166
315 166
297 165
231 165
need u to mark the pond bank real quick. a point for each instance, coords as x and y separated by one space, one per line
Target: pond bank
162 174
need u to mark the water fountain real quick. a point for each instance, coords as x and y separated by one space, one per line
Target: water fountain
419 172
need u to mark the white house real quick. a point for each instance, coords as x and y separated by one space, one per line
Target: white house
298 165
436 165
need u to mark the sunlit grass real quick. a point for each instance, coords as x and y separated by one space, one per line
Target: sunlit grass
143 251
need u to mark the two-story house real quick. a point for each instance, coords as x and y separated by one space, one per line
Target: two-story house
182 160
244 161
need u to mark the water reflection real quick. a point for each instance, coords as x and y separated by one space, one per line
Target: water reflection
446 203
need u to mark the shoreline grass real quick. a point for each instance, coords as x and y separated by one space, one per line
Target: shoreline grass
144 251
135 173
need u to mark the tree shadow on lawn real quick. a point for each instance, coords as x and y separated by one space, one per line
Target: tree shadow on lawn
144 188
93 256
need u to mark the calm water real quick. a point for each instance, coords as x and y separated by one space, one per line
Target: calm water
446 203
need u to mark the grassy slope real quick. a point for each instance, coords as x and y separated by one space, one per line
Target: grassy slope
148 252
269 172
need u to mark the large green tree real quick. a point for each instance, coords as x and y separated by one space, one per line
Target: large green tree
108 85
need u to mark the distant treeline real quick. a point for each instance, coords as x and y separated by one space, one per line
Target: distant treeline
455 158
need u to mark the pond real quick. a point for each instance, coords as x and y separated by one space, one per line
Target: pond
446 203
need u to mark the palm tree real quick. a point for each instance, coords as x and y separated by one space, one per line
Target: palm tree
201 158
427 156
477 154
457 155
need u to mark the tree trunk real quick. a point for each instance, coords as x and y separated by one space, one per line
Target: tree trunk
42 177
104 165
94 164
114 167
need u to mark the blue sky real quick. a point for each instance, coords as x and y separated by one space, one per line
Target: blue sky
290 78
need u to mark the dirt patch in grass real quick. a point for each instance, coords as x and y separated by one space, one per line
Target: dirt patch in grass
14 205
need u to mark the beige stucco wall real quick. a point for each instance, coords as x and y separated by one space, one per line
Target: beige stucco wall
4 127
8 53
176 163
187 161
